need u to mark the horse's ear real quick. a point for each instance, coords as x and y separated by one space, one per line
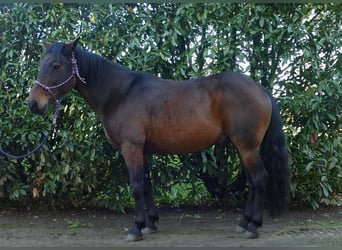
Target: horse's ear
46 44
74 43
70 47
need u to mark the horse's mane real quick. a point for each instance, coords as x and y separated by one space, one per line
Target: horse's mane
93 66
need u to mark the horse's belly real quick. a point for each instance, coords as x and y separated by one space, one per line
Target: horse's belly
179 141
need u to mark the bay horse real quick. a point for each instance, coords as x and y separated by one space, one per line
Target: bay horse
144 114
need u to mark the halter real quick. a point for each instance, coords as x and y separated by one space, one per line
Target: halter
74 73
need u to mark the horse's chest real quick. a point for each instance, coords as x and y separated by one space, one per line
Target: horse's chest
111 139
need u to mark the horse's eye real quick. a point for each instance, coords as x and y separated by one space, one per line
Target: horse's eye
56 66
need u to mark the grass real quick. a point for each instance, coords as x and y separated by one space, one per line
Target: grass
72 224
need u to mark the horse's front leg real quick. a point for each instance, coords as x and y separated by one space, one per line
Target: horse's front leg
152 211
134 159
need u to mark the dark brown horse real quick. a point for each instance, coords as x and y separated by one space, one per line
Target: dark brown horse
143 114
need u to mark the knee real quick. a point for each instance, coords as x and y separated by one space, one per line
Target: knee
137 190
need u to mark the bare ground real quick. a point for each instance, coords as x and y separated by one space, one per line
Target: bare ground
213 227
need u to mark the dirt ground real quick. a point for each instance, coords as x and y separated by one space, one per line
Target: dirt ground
205 227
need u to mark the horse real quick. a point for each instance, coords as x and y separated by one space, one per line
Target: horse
143 114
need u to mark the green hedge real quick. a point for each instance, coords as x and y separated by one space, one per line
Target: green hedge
292 49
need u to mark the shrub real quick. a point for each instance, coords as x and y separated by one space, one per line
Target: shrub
293 50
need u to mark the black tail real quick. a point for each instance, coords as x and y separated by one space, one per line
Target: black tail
275 158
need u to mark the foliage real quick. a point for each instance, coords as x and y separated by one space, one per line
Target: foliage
312 112
292 49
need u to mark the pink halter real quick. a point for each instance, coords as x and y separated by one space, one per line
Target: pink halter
75 73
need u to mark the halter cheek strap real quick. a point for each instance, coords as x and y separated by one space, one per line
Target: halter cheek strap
74 73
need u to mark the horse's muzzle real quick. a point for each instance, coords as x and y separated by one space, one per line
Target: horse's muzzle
33 105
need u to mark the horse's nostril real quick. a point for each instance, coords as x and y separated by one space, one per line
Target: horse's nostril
33 105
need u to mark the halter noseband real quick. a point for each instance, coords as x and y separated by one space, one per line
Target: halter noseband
75 73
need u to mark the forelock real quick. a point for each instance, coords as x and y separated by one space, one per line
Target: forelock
56 49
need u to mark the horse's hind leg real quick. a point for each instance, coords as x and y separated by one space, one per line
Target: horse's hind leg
152 211
257 177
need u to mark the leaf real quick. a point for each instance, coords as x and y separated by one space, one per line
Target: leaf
92 19
325 190
66 169
92 154
309 166
261 21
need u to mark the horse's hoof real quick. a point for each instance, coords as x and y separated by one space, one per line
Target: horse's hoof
250 235
239 229
133 237
148 230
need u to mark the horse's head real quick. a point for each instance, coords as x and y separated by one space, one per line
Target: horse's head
56 75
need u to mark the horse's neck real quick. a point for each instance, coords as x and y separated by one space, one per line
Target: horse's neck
110 82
